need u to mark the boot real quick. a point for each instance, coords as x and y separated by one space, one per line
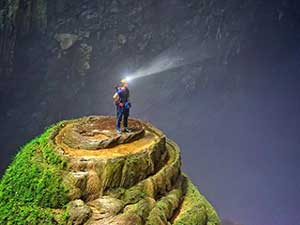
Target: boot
127 130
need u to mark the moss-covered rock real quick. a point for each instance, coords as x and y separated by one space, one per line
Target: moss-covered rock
136 182
78 212
32 185
195 209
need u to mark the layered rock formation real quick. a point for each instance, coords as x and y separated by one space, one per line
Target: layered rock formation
82 172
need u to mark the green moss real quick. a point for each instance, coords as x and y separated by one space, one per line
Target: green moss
195 209
128 196
165 208
136 168
160 182
32 186
156 217
26 214
142 208
113 172
134 194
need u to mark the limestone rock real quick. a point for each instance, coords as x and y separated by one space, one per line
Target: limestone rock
79 212
99 133
78 178
66 40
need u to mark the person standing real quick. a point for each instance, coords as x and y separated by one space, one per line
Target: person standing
121 99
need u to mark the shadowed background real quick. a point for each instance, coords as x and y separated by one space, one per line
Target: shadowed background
232 106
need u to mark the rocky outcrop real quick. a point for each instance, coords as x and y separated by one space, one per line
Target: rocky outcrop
79 212
135 180
97 133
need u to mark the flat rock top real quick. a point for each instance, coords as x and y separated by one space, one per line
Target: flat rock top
97 136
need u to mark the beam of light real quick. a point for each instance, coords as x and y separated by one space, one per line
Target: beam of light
128 78
174 58
156 66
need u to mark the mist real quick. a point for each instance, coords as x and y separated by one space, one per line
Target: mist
183 54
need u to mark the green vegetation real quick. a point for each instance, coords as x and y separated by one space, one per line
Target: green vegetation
141 208
31 188
195 209
164 208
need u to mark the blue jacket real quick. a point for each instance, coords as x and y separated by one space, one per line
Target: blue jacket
124 97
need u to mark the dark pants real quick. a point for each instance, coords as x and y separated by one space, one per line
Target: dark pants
121 111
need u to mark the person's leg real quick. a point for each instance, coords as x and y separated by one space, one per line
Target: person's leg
126 115
119 118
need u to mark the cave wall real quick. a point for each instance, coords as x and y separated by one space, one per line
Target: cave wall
109 28
93 32
62 58
18 19
7 35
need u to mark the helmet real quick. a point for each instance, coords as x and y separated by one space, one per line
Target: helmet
123 81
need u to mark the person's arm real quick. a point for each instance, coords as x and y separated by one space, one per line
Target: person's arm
116 97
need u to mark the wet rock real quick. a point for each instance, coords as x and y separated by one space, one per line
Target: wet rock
66 40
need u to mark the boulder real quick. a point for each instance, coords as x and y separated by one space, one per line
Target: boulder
79 212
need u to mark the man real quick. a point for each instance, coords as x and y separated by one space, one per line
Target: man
121 99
